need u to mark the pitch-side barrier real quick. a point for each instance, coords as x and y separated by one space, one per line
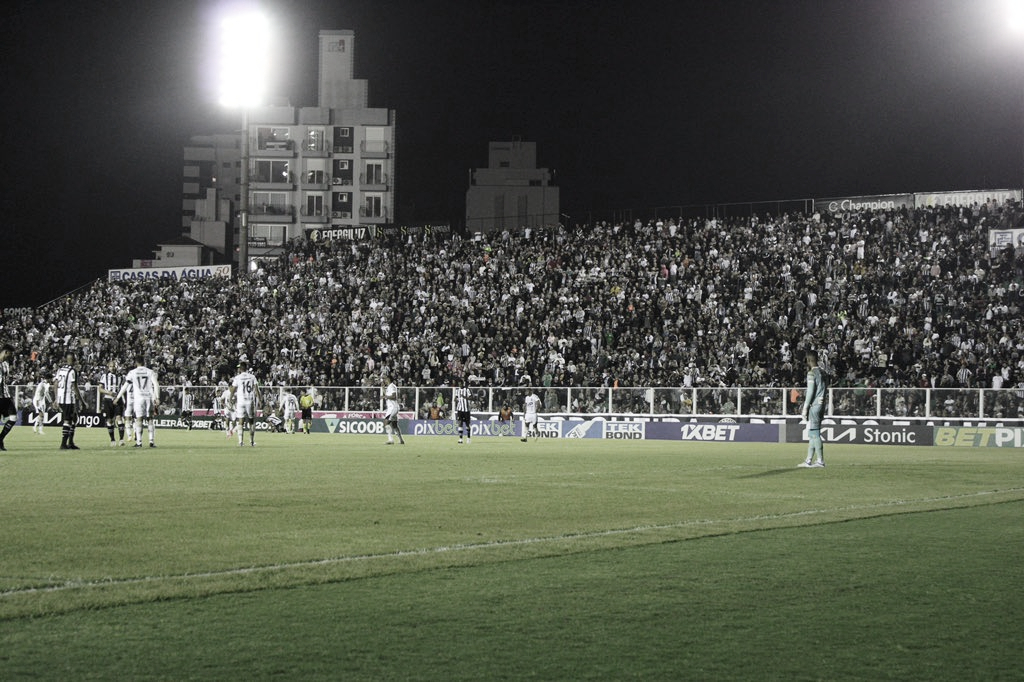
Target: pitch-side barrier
892 432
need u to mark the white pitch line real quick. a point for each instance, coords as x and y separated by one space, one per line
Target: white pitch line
398 554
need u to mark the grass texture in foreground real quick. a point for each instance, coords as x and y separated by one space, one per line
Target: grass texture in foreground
338 557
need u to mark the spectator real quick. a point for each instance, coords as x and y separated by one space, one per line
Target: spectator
588 308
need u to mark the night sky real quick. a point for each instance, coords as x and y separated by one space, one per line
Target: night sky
632 104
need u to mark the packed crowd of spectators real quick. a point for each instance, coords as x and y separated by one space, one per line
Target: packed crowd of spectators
901 298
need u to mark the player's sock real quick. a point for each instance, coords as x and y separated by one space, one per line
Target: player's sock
65 433
120 431
813 445
8 425
110 430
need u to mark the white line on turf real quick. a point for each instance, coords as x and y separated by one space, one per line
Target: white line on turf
494 544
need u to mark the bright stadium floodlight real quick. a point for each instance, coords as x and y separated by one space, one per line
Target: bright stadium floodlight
245 38
1015 16
243 60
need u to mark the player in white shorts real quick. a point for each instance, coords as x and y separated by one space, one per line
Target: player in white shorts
245 389
225 408
41 402
289 406
530 405
392 407
145 391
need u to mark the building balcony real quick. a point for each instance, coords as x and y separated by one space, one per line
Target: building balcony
375 182
256 185
315 180
317 216
314 151
267 213
374 217
375 149
275 148
341 215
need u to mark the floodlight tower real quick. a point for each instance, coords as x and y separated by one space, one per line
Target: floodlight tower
244 37
1015 26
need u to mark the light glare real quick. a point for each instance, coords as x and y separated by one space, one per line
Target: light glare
1015 16
244 46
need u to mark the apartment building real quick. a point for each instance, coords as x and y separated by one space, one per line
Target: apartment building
311 169
512 193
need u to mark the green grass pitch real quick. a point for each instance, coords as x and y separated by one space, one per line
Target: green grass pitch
338 557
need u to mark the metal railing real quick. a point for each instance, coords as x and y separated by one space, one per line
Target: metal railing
912 404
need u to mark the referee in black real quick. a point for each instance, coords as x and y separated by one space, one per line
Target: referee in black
460 400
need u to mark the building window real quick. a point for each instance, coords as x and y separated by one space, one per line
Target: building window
315 177
271 171
341 204
270 203
267 234
343 140
314 140
274 138
374 174
376 139
374 206
341 172
314 204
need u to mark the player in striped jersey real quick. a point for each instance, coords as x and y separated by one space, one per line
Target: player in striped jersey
460 400
69 399
187 406
7 408
113 411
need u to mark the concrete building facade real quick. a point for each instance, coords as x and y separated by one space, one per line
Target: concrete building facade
512 192
311 171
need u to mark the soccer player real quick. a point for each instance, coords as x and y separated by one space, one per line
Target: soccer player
113 411
530 405
245 389
68 398
126 398
460 398
187 403
41 401
306 405
814 408
391 413
7 407
289 406
227 410
145 392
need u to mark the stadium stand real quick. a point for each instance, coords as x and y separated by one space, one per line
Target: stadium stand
906 298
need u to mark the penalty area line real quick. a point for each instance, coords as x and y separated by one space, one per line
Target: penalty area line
494 544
